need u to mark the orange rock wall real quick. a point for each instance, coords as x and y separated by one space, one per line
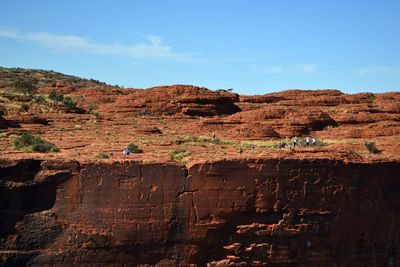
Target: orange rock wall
250 212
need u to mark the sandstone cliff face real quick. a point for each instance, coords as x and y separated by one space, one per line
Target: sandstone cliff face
235 199
280 212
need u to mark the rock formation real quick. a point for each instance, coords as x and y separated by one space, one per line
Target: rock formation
210 186
316 212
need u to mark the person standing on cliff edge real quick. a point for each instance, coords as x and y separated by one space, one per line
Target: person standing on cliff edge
126 152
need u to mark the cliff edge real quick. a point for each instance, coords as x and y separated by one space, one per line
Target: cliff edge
213 178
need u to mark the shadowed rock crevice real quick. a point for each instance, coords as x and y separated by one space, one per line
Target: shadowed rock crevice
25 190
19 171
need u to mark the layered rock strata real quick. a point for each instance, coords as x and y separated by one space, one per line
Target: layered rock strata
255 212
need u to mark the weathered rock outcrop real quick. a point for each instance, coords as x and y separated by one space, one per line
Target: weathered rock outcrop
290 122
212 185
251 212
255 130
177 99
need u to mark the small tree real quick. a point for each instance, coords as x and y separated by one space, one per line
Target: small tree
69 102
133 148
56 97
25 106
102 156
371 147
26 87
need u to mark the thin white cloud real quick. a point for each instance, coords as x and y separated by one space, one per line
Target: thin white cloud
151 49
293 68
378 70
276 69
238 60
309 68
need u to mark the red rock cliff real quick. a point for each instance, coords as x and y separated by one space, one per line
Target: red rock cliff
258 212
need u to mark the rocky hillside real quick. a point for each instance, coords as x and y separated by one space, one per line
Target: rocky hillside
43 78
213 177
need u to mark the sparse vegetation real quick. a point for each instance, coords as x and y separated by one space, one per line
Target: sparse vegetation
3 135
274 144
69 102
225 90
28 143
91 109
371 147
144 113
325 143
260 143
59 98
45 78
372 97
25 106
97 115
26 87
133 148
102 156
179 154
39 99
202 139
56 97
328 127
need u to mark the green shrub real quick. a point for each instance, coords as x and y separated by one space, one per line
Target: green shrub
28 143
97 115
260 143
371 147
179 154
26 87
194 139
325 143
69 102
202 139
217 141
102 156
328 127
133 148
224 90
56 97
145 113
372 97
25 106
39 99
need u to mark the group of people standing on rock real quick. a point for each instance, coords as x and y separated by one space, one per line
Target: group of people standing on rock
298 142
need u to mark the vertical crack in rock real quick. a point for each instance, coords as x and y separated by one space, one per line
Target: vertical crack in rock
275 212
178 226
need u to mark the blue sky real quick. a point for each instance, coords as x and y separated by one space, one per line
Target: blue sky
254 47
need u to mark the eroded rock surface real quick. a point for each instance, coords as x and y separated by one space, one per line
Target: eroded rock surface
232 196
248 212
179 99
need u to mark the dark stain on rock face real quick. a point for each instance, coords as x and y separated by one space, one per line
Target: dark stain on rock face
391 196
